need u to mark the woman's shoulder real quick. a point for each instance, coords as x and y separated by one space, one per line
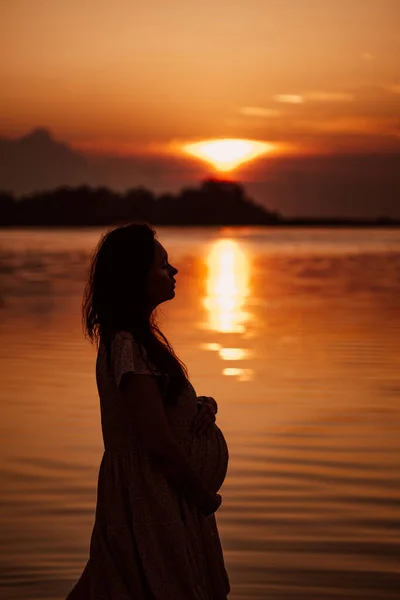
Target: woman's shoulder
127 354
121 342
116 339
123 337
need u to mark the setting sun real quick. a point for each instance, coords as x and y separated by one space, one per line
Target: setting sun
227 154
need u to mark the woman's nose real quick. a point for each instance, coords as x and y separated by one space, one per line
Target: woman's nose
174 270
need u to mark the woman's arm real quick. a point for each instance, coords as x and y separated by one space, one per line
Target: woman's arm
145 402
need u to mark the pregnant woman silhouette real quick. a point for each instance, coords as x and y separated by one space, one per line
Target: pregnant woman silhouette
155 535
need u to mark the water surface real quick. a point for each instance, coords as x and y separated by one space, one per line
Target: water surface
294 332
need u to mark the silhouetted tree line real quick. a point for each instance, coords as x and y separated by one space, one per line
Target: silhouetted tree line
213 203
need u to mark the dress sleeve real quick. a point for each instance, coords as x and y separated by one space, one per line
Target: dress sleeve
127 357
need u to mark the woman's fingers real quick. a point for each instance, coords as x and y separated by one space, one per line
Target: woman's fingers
209 401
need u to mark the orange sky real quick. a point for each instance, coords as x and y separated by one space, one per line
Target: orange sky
129 75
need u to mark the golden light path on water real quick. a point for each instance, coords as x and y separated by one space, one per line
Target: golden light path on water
227 287
227 291
227 154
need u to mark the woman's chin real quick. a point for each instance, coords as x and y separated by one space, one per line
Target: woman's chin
168 296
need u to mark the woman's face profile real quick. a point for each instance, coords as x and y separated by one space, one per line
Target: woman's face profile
161 278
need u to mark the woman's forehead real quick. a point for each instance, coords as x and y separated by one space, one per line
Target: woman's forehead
160 250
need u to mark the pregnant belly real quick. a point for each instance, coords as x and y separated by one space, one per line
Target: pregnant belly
209 456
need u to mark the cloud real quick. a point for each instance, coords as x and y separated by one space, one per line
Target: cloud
392 89
329 97
351 124
317 96
258 111
289 98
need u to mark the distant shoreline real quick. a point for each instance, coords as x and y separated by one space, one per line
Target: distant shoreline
213 203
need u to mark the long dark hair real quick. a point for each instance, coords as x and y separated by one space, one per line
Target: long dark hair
115 300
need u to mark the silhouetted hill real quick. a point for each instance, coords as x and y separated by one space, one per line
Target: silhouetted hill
38 162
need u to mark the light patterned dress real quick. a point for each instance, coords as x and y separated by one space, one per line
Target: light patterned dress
148 542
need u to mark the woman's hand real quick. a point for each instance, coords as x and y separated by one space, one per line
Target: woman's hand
205 418
209 401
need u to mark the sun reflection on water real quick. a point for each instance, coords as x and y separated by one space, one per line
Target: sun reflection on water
240 374
227 287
